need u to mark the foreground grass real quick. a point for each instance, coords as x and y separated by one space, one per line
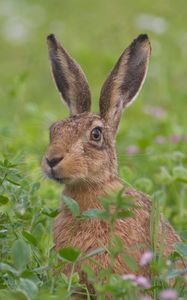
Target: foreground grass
28 268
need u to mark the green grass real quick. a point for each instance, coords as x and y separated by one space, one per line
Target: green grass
95 33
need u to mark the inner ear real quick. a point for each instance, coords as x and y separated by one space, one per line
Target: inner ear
69 78
125 81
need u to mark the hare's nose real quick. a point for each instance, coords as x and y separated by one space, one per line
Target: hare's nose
53 162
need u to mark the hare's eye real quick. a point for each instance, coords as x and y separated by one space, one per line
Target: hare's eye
96 133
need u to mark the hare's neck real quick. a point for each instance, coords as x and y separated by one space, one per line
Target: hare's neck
87 196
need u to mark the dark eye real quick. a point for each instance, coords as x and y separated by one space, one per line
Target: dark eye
96 133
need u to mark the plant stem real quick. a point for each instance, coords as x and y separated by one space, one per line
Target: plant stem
70 279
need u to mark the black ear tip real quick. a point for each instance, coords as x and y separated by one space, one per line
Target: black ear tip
52 42
142 37
51 37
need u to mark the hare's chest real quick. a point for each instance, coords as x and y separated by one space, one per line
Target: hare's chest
83 234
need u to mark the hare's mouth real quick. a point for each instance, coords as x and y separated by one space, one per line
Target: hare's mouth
52 175
58 178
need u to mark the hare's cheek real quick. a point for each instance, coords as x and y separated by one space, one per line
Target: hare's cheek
97 161
75 166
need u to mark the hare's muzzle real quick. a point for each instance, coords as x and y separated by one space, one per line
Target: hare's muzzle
54 161
50 166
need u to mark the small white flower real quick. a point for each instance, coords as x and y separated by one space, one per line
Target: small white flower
168 262
129 277
16 29
153 23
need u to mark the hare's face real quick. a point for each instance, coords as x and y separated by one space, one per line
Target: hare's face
81 150
82 147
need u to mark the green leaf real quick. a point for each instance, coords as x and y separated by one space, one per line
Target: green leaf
174 256
174 273
131 263
7 295
95 252
69 253
3 233
38 232
64 279
20 254
42 268
180 173
92 213
3 199
29 237
126 173
144 184
117 246
13 182
159 195
35 187
51 213
6 162
75 278
181 248
72 205
29 288
177 156
183 234
164 177
7 268
88 270
124 214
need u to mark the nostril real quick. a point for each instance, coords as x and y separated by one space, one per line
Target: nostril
53 162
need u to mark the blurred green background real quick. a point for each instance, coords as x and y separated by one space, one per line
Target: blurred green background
152 139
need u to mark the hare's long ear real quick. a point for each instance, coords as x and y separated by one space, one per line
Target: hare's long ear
70 79
125 81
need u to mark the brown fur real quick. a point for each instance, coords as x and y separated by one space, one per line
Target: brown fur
88 168
68 74
124 82
92 233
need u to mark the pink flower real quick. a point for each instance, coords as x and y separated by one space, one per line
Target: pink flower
146 297
132 149
146 258
175 138
168 294
129 277
160 139
139 280
143 282
156 111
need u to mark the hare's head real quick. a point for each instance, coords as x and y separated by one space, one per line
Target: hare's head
82 147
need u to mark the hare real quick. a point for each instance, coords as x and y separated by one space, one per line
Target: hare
82 156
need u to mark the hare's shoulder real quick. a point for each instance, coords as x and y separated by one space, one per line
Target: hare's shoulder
69 230
85 234
137 229
141 200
